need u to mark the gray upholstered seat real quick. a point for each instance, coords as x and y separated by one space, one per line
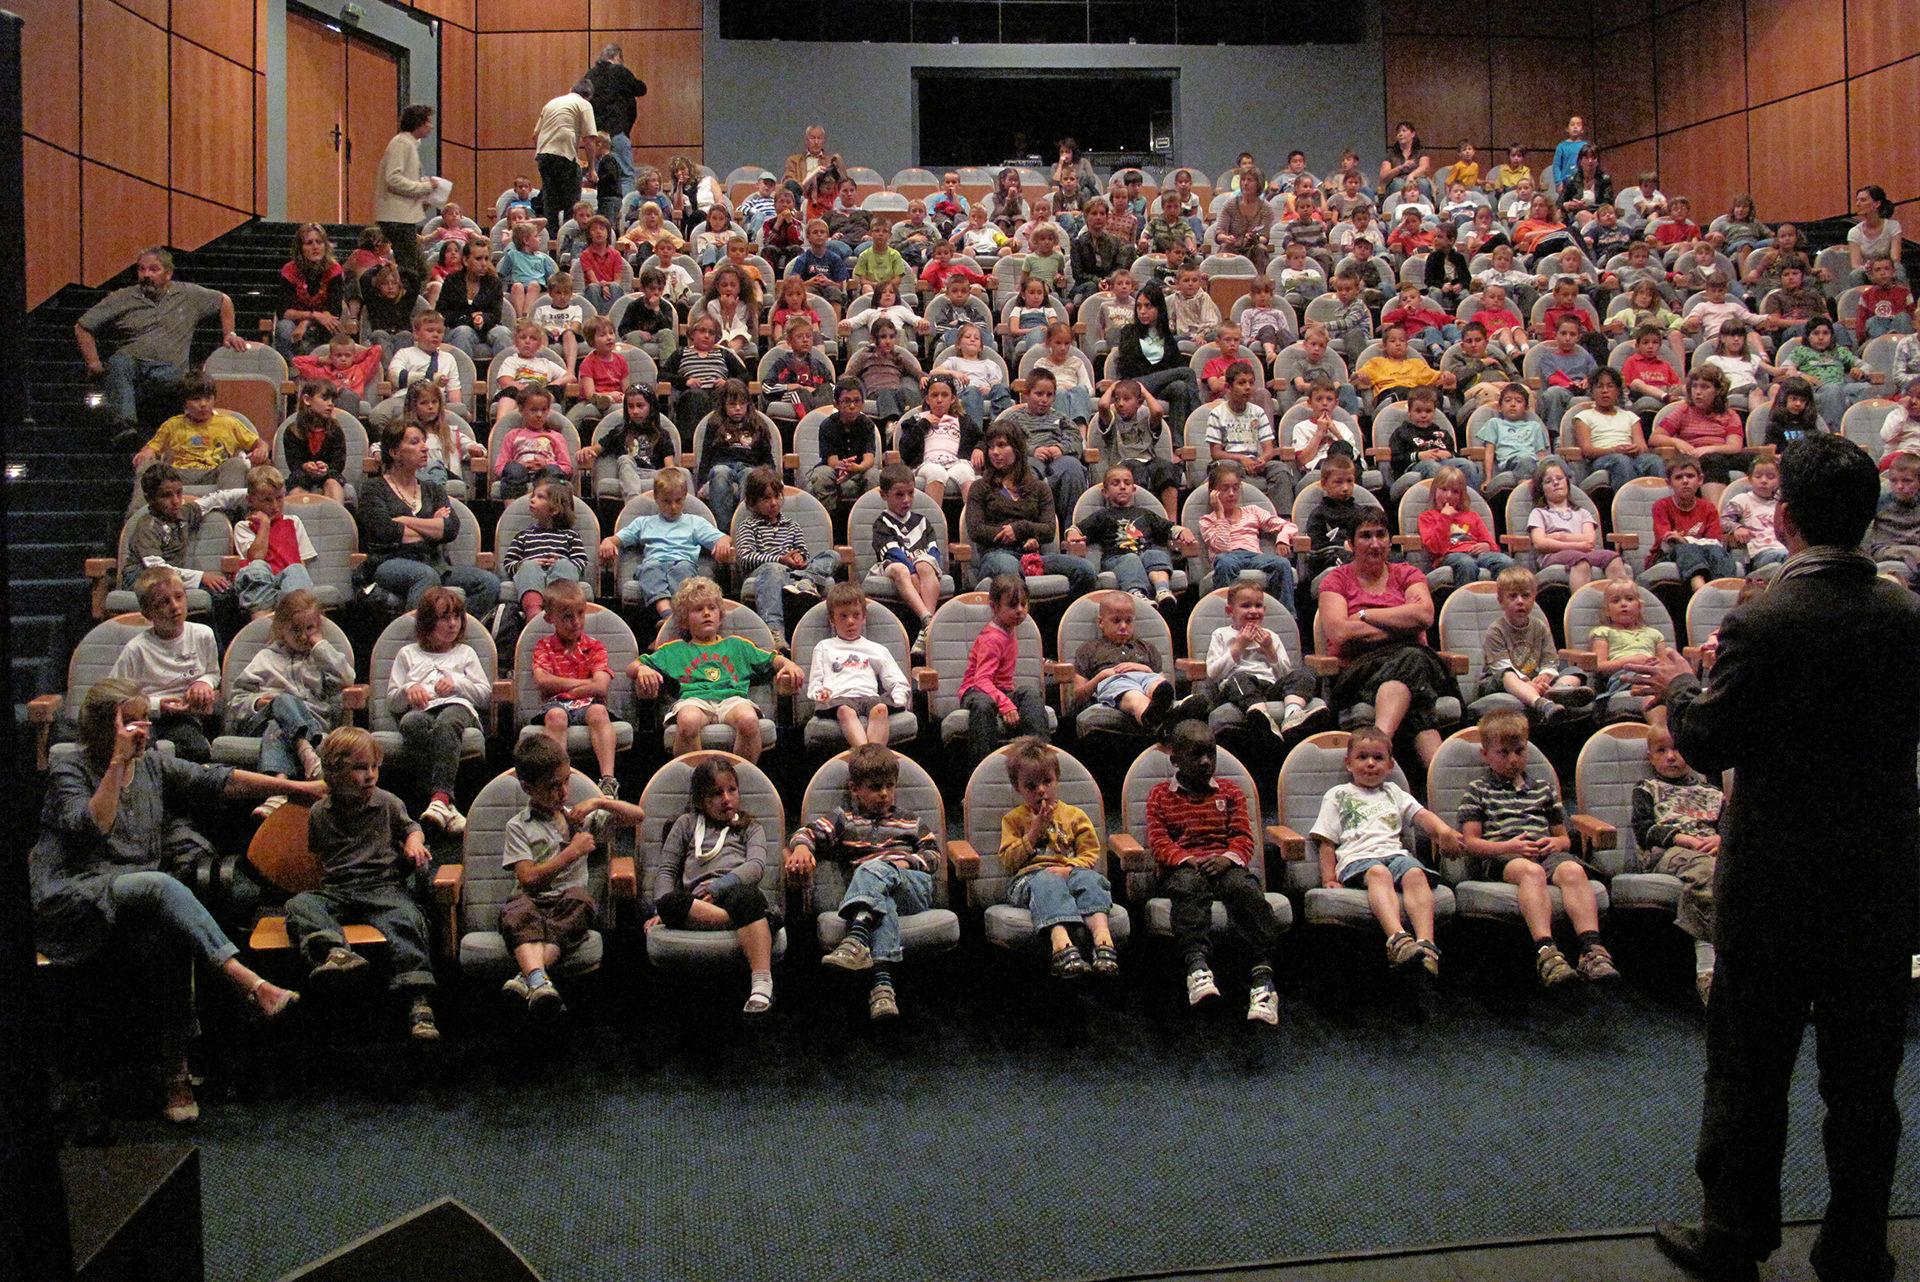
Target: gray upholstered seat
1081 624
244 750
380 715
865 571
1610 764
1447 709
934 930
950 637
1587 610
1196 505
336 546
486 884
736 620
664 800
823 734
1633 514
355 433
1094 499
213 540
1519 545
608 628
1464 619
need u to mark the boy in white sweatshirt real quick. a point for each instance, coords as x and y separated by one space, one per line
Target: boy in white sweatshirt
854 680
175 663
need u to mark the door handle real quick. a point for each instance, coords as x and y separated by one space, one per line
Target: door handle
337 135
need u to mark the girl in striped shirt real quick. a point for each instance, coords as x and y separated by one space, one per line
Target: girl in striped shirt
547 551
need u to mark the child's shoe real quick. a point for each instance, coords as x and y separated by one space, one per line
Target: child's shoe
1429 955
1546 711
1165 598
1551 965
1069 964
309 760
1200 986
1703 985
1263 1004
1106 960
268 806
420 1025
516 988
610 787
338 961
852 954
1571 696
881 1003
1158 704
181 1108
443 816
1596 965
543 1001
1402 949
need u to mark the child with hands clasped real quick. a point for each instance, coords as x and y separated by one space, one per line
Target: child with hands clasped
289 693
855 681
994 704
1515 825
369 852
175 663
547 848
1052 852
1359 835
547 552
1251 670
570 671
1623 640
712 675
890 857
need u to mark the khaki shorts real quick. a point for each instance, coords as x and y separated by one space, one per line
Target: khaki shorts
718 711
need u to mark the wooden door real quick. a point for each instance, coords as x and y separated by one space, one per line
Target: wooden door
372 116
316 99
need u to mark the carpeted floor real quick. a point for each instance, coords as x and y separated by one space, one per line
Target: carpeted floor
991 1135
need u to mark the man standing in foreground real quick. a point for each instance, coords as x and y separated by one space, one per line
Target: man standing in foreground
1812 701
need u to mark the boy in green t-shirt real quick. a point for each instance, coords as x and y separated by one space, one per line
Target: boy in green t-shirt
880 262
712 674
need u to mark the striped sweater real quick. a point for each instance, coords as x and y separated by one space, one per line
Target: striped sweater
1183 826
853 838
538 541
764 542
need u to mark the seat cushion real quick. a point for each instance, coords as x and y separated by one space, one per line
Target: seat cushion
954 725
1502 899
484 955
242 750
1645 890
473 743
1344 907
1659 572
1010 927
825 733
1160 914
931 931
687 949
1098 717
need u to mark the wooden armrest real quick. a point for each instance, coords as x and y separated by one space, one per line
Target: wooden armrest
1764 451
1060 674
1302 544
1019 387
623 880
686 460
1323 665
1186 453
42 709
447 882
1291 845
356 559
1626 542
1456 663
101 567
354 697
1572 454
1597 833
753 387
1132 855
486 560
502 694
1407 542
960 553
1517 542
1191 669
964 858
1380 455
843 553
1583 659
890 457
663 390
791 462
926 679
289 388
231 565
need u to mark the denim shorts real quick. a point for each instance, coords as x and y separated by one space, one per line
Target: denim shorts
1399 866
1110 690
575 716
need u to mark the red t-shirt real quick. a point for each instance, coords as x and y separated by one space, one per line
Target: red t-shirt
1676 231
600 265
1701 521
609 372
1654 373
576 662
1690 425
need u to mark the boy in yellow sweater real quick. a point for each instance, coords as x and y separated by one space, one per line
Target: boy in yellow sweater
1051 851
1395 373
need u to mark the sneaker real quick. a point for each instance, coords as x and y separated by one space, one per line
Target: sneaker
1106 960
543 1002
1292 719
515 988
852 954
309 759
1192 708
1596 965
268 806
1429 955
1319 717
420 1025
1137 594
881 1003
1402 949
1263 1004
610 787
759 997
1277 724
181 1108
917 653
1546 711
1158 704
807 587
443 816
1200 987
1069 964
1571 696
1551 965
339 961
1165 598
1703 985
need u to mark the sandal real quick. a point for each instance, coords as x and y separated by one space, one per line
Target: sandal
260 1007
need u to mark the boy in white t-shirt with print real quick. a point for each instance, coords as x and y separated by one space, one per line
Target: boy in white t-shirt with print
1240 430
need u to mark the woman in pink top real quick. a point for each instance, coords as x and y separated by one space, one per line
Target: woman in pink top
1374 615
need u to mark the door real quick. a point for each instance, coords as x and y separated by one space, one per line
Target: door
343 104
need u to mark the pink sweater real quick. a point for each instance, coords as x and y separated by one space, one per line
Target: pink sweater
990 665
1242 533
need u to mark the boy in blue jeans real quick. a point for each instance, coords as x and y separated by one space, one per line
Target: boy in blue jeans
890 857
671 542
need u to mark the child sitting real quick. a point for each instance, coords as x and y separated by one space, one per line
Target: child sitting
1330 525
1423 445
1252 671
1676 824
938 440
1687 531
1885 305
1072 375
1894 535
1191 311
570 672
1518 656
1625 637
906 550
533 449
1453 534
529 368
993 703
1901 427
1120 670
738 438
1513 442
525 269
1610 438
427 360
1358 831
1264 325
800 376
634 438
1239 431
175 663
890 857
315 447
712 675
1502 324
1566 533
849 453
855 681
1649 378
547 552
368 852
274 545
547 848
1199 833
888 374
772 554
1052 853
1322 433
561 319
1231 531
1134 543
203 446
347 370
161 534
1426 326
438 688
289 693
1748 517
1515 825
603 372
1395 372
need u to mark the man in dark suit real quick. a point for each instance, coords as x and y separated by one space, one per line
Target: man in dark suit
1814 703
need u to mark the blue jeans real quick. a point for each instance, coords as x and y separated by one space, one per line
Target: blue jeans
1229 566
978 406
288 346
1079 571
261 589
1076 403
888 893
409 580
280 725
659 580
1709 559
1053 900
1761 560
722 492
150 896
498 339
1878 325
986 731
623 157
533 577
1833 399
127 376
1067 477
1468 567
1621 468
1437 337
769 601
1426 469
314 920
1131 570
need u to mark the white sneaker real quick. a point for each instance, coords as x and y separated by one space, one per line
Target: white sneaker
308 758
443 816
1295 714
1200 987
1264 1005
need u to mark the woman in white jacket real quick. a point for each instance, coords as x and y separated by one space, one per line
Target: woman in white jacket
438 688
400 197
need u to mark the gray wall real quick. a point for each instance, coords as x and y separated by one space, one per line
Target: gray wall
760 95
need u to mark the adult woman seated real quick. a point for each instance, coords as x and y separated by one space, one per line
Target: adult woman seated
1374 615
470 303
1246 222
115 814
313 294
1587 188
406 523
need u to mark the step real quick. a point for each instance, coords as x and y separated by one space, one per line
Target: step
34 635
48 595
96 528
106 465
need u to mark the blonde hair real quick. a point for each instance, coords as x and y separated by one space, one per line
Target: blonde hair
290 609
1504 728
669 482
696 591
1619 589
1515 579
342 747
263 478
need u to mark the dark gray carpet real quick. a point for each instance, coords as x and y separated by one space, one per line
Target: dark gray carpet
990 1136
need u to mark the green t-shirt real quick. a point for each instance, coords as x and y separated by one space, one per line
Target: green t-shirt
880 267
718 670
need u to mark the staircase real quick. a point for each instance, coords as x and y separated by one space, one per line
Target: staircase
67 484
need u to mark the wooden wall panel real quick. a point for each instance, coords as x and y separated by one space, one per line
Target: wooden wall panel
1793 46
455 122
456 165
1537 84
50 66
494 172
516 75
51 192
125 216
1613 15
1623 85
1880 32
533 15
125 72
1707 164
669 61
644 15
224 26
1555 18
154 11
195 222
1783 136
659 156
213 134
1434 16
1628 161
458 12
260 144
1700 71
1880 115
1440 85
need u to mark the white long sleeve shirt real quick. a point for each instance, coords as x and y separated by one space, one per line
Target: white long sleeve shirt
418 666
1221 663
848 669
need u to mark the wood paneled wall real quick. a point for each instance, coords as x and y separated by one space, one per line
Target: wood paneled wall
166 147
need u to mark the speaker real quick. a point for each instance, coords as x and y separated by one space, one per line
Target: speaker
440 1242
134 1212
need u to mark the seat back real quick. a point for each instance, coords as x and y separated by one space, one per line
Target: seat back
1587 610
917 794
213 540
335 539
508 419
1210 614
643 505
256 636
1199 502
1419 499
1862 422
950 637
586 523
883 629
603 625
254 397
1457 765
488 884
1154 766
768 432
669 793
1633 514
1610 764
1315 765
1094 499
93 658
279 852
1469 611
990 794
388 645
736 620
1707 607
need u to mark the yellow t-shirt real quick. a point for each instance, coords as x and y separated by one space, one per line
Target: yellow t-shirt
1465 172
201 447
